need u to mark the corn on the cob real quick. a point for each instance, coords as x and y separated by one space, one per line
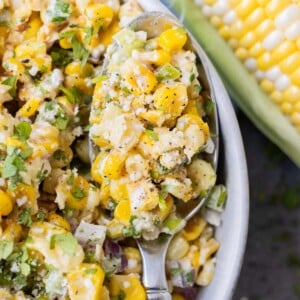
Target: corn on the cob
264 40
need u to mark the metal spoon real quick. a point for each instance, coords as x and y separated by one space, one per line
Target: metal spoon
154 251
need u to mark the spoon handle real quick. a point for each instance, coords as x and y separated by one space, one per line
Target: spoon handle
154 273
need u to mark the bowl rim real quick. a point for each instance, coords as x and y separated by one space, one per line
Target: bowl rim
236 214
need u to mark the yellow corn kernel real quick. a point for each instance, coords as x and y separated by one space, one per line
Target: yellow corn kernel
105 37
34 25
104 195
129 284
263 29
165 212
195 258
276 96
27 191
206 274
256 50
283 50
208 249
237 30
216 21
66 105
153 116
118 189
291 94
255 18
95 171
13 232
29 108
76 195
276 6
265 61
193 228
133 254
248 40
30 49
171 99
140 79
14 67
241 53
158 57
114 229
145 144
122 212
290 63
14 142
59 221
177 297
172 39
225 32
295 117
245 8
6 204
267 85
112 165
75 68
295 77
188 119
178 248
104 293
101 15
286 107
65 43
192 107
85 282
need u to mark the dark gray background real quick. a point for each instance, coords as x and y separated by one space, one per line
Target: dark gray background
271 269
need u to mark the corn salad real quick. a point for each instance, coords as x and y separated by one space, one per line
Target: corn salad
67 225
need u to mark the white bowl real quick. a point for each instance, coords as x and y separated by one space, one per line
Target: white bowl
232 233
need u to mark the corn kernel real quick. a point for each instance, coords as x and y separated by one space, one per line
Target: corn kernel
225 32
91 273
172 39
118 189
112 165
265 61
193 228
208 249
241 53
155 117
283 50
290 63
59 221
122 212
256 50
6 204
267 85
275 7
171 99
263 29
132 290
291 94
12 232
34 25
100 14
248 40
105 37
255 18
216 21
178 248
114 229
133 254
29 108
295 77
65 43
30 49
75 68
95 171
165 212
237 30
276 97
286 107
295 117
245 8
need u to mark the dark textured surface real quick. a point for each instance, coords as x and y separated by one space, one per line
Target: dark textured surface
271 268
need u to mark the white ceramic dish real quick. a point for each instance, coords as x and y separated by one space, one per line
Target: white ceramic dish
233 231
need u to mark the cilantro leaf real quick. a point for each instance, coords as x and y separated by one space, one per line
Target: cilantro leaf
22 130
151 134
59 11
73 94
12 165
6 248
79 51
12 82
25 217
66 241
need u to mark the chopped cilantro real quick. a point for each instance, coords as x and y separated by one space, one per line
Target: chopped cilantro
25 217
70 180
78 193
25 269
176 271
41 215
73 94
42 174
22 130
59 11
6 248
197 88
66 241
88 33
162 202
99 78
13 164
12 82
79 51
90 271
121 296
151 134
60 57
25 153
192 77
